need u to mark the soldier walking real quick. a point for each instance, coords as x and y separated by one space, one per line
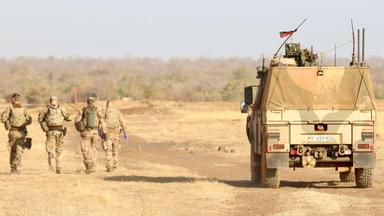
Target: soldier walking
16 119
89 122
114 126
51 120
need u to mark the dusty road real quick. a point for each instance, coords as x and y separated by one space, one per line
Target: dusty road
171 166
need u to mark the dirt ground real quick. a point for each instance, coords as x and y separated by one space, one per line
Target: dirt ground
180 159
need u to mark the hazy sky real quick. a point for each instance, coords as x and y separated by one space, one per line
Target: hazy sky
168 28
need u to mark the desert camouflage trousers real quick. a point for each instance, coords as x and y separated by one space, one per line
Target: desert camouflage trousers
111 146
16 146
89 141
54 147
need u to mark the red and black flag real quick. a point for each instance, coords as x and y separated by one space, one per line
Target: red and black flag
284 34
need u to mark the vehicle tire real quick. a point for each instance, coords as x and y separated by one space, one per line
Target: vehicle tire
272 178
347 176
363 177
256 168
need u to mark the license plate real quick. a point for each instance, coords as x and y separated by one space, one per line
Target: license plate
321 138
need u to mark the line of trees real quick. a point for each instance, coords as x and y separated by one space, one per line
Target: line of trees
182 79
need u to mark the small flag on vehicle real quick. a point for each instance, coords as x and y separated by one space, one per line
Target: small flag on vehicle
284 34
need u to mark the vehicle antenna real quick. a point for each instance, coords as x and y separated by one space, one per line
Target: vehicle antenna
263 65
353 62
335 63
363 47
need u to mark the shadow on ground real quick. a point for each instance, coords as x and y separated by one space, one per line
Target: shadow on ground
161 179
293 184
233 183
316 184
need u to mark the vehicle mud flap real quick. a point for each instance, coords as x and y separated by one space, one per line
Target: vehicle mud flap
364 159
277 160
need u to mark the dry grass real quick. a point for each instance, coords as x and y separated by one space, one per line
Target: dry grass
201 126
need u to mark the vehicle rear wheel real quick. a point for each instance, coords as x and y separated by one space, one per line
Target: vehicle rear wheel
272 178
363 177
347 176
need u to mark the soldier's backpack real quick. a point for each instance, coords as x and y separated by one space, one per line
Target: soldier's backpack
112 118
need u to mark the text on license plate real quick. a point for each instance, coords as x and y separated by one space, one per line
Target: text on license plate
321 138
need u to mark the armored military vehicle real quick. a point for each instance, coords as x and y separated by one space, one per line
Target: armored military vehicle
303 114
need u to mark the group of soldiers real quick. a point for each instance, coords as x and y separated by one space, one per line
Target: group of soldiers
94 126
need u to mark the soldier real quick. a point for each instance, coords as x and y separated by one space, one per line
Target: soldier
114 125
51 120
16 119
89 122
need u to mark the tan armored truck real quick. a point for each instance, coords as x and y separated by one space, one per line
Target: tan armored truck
304 115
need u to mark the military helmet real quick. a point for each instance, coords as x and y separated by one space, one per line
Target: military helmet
53 100
91 99
16 97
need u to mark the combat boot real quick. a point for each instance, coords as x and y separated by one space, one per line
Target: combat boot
15 171
90 171
51 169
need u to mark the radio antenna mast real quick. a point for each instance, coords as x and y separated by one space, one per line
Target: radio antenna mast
353 62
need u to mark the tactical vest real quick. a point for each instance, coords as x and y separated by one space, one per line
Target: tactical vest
112 119
90 118
17 116
54 117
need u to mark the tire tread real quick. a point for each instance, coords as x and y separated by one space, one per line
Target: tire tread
364 177
272 178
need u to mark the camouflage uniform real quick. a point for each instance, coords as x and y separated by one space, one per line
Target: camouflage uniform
114 125
16 119
51 120
88 123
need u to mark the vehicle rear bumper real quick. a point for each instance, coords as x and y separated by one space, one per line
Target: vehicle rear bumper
364 159
277 160
360 159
